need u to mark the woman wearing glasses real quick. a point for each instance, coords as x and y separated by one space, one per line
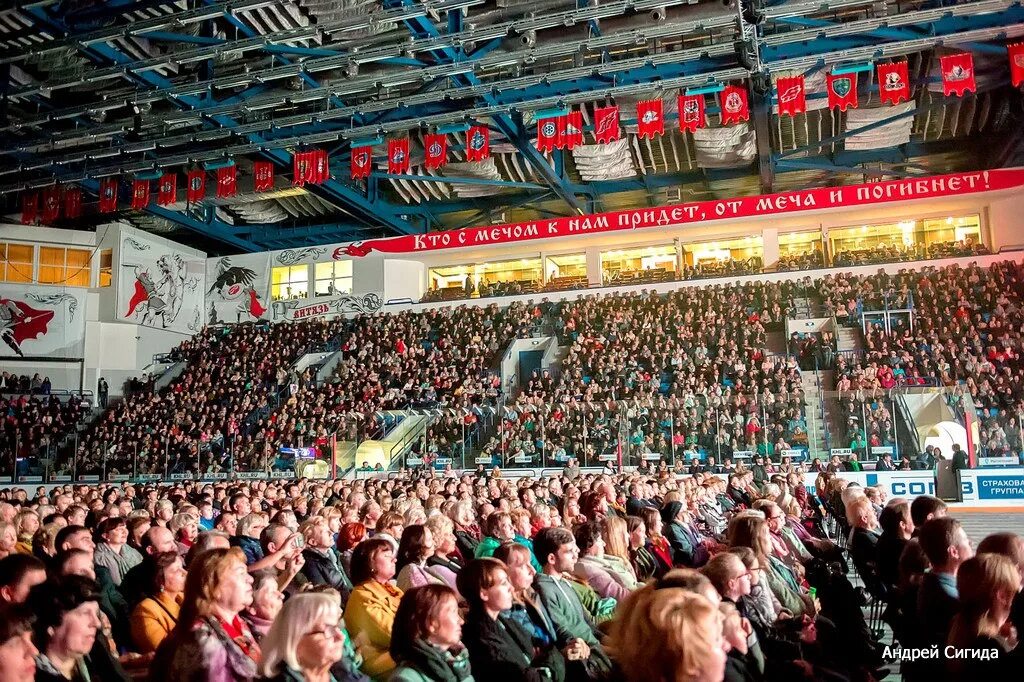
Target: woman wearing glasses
305 641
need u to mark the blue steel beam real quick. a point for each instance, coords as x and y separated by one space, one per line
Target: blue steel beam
515 132
361 208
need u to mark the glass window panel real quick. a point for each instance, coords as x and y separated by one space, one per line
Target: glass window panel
51 274
647 264
49 255
106 267
19 253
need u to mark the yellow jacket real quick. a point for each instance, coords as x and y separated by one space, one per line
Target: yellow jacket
369 617
153 619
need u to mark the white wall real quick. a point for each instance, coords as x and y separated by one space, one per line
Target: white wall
1006 222
402 279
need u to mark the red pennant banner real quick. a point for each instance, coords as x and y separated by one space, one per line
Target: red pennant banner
792 95
1016 51
320 168
842 91
51 204
893 82
302 164
227 181
735 107
361 163
108 195
691 112
606 124
140 194
398 155
167 189
435 147
547 134
29 208
957 74
650 118
478 143
196 190
263 176
572 129
73 203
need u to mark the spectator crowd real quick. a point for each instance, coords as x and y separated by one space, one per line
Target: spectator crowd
425 577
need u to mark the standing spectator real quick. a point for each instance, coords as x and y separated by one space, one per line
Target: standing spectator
103 390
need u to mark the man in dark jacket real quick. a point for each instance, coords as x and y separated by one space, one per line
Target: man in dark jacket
688 549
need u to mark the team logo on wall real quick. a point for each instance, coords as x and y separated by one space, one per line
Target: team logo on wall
235 283
159 296
893 82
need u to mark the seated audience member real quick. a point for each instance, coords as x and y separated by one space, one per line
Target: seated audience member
68 632
390 527
556 550
427 638
608 575
210 640
112 549
415 547
750 530
987 585
156 615
19 573
370 612
267 599
498 528
863 542
740 664
305 642
17 651
445 563
656 544
500 647
668 634
688 549
321 565
897 529
137 580
1011 546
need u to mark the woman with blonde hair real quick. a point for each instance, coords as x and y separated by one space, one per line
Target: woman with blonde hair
615 531
210 640
445 563
750 529
467 530
988 584
305 641
668 635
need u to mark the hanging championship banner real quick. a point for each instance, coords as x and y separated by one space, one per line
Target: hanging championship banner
398 155
957 74
1016 53
791 95
361 162
227 181
547 134
893 82
606 124
73 203
691 112
108 195
140 194
196 190
842 91
167 189
571 130
29 208
650 118
735 107
435 148
478 143
263 176
51 204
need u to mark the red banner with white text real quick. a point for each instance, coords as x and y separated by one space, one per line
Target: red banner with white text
849 196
